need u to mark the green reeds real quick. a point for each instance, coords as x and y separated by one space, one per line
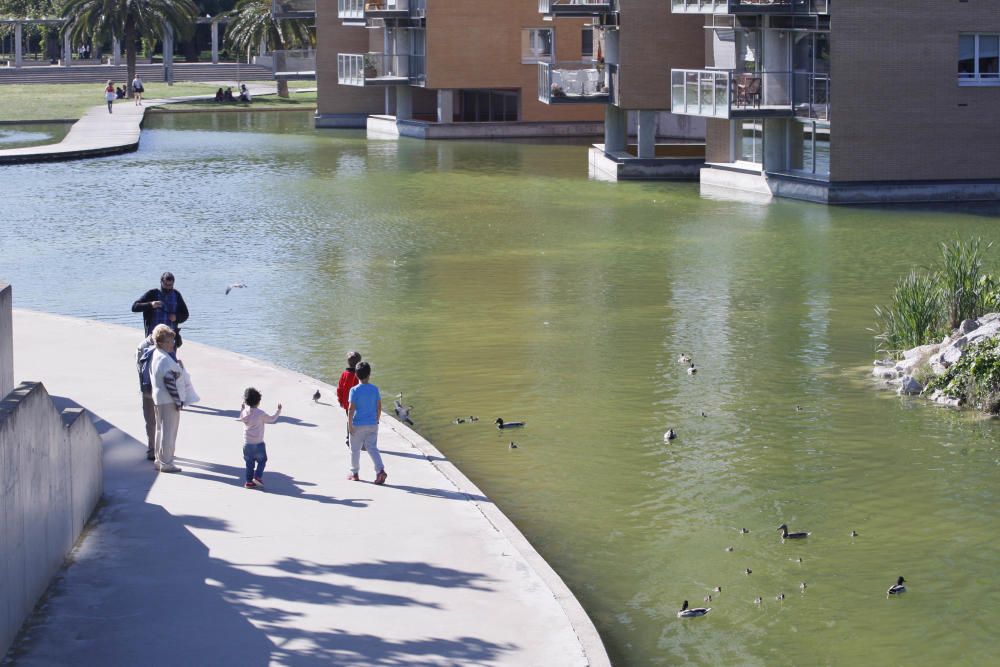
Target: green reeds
914 316
960 279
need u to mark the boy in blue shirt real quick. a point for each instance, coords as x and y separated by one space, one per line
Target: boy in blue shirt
364 409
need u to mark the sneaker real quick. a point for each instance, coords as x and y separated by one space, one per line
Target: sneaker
169 468
250 485
258 481
380 477
354 477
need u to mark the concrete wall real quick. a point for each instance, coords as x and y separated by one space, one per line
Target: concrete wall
6 341
898 111
335 102
50 482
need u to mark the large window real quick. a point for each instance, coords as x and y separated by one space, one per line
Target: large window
750 141
536 45
978 59
483 106
809 148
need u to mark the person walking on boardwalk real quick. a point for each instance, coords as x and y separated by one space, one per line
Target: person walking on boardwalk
166 374
348 379
364 409
144 364
138 89
109 95
254 451
162 306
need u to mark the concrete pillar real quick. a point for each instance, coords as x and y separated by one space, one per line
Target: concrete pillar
67 50
445 106
168 54
647 134
116 52
215 42
404 103
18 45
262 47
6 341
615 129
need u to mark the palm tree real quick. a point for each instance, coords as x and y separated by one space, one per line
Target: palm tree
251 22
128 20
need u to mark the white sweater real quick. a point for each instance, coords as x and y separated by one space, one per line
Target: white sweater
166 373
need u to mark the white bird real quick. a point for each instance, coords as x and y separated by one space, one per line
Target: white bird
230 288
691 612
403 411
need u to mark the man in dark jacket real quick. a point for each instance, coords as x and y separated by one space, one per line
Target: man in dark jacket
162 306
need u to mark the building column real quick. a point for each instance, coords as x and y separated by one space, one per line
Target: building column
67 50
215 42
168 54
615 129
647 134
18 45
404 103
116 52
446 106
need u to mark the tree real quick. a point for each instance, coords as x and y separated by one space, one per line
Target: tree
128 20
252 22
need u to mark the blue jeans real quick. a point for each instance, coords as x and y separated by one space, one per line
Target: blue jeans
255 454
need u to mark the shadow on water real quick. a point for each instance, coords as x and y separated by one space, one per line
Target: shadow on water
142 589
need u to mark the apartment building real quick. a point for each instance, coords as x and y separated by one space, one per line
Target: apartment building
626 70
444 68
918 98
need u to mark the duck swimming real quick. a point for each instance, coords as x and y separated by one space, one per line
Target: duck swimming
687 612
684 359
785 535
501 424
691 369
669 435
897 587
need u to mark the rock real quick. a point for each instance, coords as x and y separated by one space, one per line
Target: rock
884 373
989 317
910 387
922 351
938 367
952 354
884 362
968 325
988 330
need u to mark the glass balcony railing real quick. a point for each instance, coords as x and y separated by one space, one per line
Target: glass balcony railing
575 7
293 9
371 69
573 83
728 94
786 7
293 63
351 10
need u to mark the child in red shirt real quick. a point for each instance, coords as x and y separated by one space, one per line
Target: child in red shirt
347 380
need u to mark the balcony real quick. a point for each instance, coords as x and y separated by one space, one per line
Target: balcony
774 7
578 8
351 11
290 64
293 9
573 83
373 69
387 9
728 94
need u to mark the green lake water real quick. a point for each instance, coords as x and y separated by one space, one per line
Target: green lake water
495 279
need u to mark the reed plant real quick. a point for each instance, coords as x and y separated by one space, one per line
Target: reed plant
960 279
914 316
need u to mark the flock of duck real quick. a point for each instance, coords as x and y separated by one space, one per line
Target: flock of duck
687 611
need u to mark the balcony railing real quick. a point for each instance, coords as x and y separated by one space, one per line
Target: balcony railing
383 9
350 10
728 94
794 7
293 9
575 7
368 69
573 83
293 63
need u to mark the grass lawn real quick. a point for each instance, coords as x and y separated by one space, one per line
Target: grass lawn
302 101
71 100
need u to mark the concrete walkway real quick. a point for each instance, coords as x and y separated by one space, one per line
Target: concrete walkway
194 569
99 133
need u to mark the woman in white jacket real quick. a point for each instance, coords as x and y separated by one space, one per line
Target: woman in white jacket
168 397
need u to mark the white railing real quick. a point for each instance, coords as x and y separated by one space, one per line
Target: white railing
724 93
573 6
750 6
358 69
351 10
565 82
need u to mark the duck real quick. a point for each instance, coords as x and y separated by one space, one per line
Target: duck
802 586
458 420
785 535
744 531
758 600
669 435
729 549
684 359
717 589
707 598
779 597
704 414
691 612
473 418
854 533
501 424
691 369
512 445
897 587
748 571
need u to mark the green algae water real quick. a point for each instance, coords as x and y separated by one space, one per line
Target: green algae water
495 279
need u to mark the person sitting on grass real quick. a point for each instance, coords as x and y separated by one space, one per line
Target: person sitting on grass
119 93
228 95
244 93
219 95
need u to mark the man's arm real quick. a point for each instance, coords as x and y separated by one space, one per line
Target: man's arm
182 309
145 302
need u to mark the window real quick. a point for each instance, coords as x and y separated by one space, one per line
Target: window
536 45
978 59
483 106
587 44
750 141
809 148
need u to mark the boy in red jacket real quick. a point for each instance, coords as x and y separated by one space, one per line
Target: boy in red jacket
347 380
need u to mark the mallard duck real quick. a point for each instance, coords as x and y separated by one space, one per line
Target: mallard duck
717 589
691 369
854 533
669 435
758 600
785 535
458 420
748 571
687 612
744 531
729 549
512 445
897 587
779 597
501 424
